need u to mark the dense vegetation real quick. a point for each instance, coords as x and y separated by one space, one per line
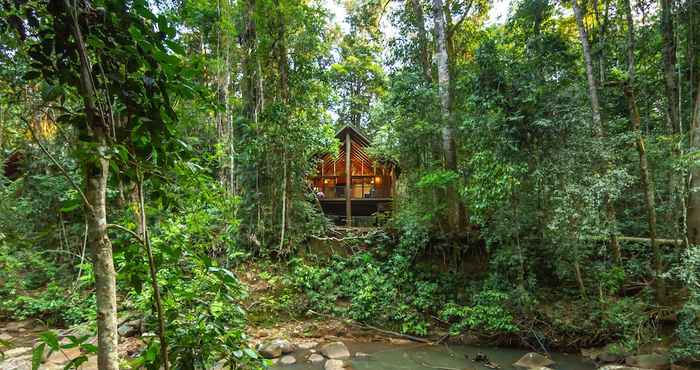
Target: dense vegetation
155 150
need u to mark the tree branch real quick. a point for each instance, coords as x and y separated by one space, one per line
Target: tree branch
60 168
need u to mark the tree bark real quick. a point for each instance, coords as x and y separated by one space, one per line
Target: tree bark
598 127
154 276
422 39
448 142
644 173
669 59
105 276
693 219
96 174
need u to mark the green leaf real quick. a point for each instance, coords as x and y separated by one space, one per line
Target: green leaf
250 353
38 356
51 339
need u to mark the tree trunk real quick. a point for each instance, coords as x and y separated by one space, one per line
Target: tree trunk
422 39
693 219
598 127
96 174
644 174
669 57
154 276
448 143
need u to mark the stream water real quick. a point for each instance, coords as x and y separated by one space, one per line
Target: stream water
420 357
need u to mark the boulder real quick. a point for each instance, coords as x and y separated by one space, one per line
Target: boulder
336 365
315 358
16 352
533 360
619 367
649 361
63 356
335 350
130 328
5 337
361 355
276 348
17 363
307 345
17 326
288 360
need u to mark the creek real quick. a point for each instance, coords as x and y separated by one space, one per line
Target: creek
384 356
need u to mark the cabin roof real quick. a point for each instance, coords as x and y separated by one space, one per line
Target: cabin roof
355 135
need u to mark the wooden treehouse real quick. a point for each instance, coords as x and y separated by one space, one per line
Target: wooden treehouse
353 189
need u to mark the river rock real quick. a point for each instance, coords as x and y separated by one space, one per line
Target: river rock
533 360
288 360
315 358
5 337
307 345
17 326
17 363
361 355
276 348
619 367
16 352
130 328
649 361
335 350
336 365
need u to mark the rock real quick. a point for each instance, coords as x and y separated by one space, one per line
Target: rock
335 350
481 357
16 352
130 328
650 361
533 360
610 358
276 348
307 345
63 356
315 358
5 337
361 355
17 363
619 367
15 326
288 360
591 353
336 365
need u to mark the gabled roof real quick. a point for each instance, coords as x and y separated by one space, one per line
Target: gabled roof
355 135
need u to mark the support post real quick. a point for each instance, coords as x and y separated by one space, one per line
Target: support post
348 181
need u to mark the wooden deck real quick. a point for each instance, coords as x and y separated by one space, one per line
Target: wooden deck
359 206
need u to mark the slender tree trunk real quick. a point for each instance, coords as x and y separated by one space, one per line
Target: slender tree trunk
283 68
579 279
448 143
154 277
669 59
96 174
693 219
644 172
597 119
422 39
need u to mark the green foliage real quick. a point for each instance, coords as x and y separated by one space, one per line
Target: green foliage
368 289
50 343
688 330
52 305
194 244
487 314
